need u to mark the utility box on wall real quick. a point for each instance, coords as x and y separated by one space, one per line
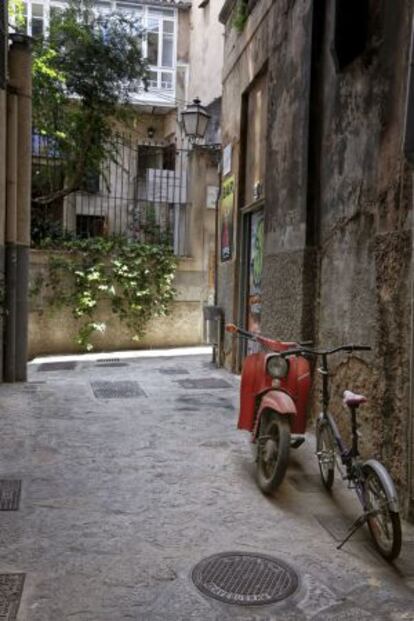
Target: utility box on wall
213 324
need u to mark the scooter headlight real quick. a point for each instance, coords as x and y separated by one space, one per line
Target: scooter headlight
277 367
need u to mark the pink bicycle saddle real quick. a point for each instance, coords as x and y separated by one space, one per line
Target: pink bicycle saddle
353 400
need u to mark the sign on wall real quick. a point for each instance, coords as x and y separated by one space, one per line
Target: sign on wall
227 217
226 160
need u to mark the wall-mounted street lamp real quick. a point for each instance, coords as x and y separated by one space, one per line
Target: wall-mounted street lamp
195 120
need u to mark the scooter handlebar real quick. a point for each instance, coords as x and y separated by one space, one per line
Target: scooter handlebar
233 329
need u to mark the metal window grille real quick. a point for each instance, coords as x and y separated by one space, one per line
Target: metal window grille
141 195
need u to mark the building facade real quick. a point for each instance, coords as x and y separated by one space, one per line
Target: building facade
160 177
315 228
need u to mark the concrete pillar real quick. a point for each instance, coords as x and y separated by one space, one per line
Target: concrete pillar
20 72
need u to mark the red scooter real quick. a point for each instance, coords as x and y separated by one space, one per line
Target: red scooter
273 398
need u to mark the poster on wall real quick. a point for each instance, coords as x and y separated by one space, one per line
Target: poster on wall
254 298
226 227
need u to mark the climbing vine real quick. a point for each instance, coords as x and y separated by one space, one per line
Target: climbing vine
240 15
135 278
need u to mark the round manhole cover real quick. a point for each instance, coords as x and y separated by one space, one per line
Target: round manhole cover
245 579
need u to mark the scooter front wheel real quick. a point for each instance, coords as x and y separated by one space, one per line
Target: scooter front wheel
273 451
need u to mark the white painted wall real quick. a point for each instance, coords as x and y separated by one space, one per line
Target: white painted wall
206 52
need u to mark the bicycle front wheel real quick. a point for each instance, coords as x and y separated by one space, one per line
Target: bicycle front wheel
383 523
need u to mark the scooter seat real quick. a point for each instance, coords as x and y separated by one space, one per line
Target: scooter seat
353 400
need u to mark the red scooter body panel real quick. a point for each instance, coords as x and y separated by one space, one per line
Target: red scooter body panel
255 381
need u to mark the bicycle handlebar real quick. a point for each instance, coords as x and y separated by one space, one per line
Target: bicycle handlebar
300 351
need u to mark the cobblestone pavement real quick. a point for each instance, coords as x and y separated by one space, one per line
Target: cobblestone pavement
133 471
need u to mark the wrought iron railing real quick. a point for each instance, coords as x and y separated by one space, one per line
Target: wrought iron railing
141 194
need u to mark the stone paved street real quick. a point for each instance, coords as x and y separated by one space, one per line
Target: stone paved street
127 486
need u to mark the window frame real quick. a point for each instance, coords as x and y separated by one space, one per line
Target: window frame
161 14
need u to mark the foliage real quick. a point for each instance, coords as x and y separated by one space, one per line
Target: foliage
135 278
240 15
16 13
83 74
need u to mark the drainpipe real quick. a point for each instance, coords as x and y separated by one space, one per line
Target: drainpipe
3 134
11 239
409 154
20 72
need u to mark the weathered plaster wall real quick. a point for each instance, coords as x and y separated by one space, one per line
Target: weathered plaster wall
364 231
206 52
53 331
203 172
287 262
245 57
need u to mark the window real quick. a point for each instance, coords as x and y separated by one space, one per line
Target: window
159 45
37 20
90 226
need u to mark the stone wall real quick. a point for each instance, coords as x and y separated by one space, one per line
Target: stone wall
338 205
53 331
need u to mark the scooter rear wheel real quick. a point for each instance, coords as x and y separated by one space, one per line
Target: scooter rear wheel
273 451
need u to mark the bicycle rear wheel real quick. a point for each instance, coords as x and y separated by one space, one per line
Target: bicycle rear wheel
383 523
325 452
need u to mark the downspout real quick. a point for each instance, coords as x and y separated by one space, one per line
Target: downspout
3 159
11 238
409 154
20 72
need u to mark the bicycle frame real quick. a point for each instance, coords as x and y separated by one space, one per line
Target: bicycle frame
347 455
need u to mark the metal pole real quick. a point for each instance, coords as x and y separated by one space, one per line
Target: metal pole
409 153
20 72
3 134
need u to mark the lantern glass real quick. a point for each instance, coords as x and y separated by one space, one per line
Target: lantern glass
195 119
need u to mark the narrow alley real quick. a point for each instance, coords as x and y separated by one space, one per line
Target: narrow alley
132 471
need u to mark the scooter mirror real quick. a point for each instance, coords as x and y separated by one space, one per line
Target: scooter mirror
230 327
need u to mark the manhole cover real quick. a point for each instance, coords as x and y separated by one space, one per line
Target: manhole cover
10 495
57 366
117 390
207 383
11 587
245 579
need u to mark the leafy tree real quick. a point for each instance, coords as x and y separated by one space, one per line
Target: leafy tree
83 72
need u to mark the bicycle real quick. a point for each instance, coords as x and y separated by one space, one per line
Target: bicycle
370 479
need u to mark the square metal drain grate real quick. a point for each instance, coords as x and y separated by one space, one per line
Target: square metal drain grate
10 490
207 383
112 364
57 366
173 371
117 390
337 526
11 588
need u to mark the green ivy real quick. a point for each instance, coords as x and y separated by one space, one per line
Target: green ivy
136 278
240 15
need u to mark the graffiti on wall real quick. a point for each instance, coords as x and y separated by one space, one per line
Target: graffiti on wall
254 301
